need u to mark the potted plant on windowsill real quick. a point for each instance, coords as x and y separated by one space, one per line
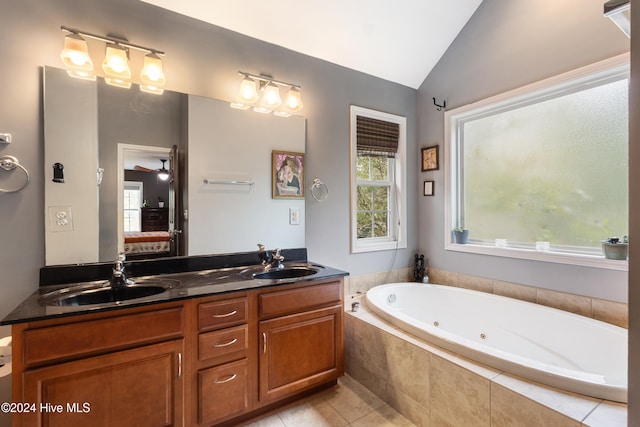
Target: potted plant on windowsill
461 235
613 248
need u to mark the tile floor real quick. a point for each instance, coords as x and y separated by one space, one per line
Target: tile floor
348 404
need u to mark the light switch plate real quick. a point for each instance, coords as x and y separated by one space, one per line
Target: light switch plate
60 218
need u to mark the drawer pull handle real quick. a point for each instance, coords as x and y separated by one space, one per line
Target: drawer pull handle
264 343
226 344
226 314
226 380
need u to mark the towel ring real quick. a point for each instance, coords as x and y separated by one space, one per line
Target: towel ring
319 190
9 163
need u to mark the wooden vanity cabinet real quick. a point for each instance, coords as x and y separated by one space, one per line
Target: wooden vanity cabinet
117 368
206 361
301 339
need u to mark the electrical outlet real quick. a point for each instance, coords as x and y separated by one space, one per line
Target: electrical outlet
294 216
60 218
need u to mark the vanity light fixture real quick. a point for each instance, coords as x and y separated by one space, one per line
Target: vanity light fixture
292 103
270 99
262 93
152 77
115 66
247 95
75 56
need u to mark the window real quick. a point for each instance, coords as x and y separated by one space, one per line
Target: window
542 172
378 205
132 203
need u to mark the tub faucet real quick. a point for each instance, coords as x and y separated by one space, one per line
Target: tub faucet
118 278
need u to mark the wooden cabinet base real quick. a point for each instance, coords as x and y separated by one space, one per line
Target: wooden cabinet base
215 360
139 387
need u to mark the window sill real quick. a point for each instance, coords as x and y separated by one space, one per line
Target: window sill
549 256
372 246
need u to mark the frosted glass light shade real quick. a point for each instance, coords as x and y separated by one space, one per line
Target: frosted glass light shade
116 62
247 95
270 99
75 57
152 70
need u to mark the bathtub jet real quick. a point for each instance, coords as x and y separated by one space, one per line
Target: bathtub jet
543 344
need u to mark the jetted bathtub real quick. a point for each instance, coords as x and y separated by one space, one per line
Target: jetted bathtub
543 344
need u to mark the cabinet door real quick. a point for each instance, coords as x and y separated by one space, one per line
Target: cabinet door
222 392
300 351
139 387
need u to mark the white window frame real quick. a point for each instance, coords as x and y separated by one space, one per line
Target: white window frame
398 202
139 187
454 118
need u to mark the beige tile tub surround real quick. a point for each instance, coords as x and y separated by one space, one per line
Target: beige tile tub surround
433 387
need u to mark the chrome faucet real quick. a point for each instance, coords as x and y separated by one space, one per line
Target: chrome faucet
118 278
270 260
276 259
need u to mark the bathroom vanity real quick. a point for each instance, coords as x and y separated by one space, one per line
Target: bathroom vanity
217 348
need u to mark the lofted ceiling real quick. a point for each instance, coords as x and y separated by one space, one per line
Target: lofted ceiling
396 40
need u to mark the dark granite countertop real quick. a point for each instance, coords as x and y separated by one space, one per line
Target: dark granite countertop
193 279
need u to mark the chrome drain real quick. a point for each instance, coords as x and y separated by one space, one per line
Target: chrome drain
391 298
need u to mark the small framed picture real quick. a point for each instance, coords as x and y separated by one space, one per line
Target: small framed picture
287 175
428 188
430 158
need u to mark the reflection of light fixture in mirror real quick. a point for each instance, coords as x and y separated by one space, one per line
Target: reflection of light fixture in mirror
76 59
116 66
163 174
247 95
619 11
75 56
268 93
152 78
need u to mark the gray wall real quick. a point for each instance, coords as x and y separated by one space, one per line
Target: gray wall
504 46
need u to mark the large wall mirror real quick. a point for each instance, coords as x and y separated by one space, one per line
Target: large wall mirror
110 147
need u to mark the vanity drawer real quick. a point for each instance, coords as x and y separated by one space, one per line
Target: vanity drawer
92 337
221 314
222 392
300 299
224 345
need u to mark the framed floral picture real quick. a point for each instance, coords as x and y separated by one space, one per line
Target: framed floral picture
430 158
287 169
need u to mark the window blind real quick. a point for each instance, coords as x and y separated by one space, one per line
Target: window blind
376 138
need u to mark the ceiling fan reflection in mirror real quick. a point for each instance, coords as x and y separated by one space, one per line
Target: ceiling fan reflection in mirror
162 172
